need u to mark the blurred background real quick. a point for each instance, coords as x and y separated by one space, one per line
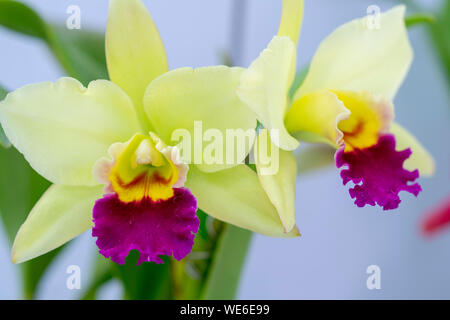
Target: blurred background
339 241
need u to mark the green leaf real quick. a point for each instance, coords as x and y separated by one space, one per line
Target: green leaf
229 257
33 270
298 80
440 34
149 281
101 274
19 17
20 188
4 142
190 273
80 53
419 18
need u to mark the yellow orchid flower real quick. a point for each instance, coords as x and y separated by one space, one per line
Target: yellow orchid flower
264 89
109 153
345 101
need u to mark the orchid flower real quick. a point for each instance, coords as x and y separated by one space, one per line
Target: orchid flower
344 101
109 153
263 88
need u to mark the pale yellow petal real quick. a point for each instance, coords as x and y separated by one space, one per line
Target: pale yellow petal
315 117
358 56
235 196
134 51
200 108
420 158
63 128
291 19
61 214
277 172
265 85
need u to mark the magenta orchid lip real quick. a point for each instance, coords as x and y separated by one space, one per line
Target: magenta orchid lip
154 228
377 173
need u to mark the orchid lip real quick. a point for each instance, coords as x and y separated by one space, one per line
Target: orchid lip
145 206
377 173
164 227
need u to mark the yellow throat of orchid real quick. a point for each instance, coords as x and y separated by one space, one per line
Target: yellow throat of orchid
142 168
368 118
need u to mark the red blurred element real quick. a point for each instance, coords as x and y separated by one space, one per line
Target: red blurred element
437 218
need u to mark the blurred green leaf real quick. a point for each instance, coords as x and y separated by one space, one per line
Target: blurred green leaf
204 228
19 17
20 188
440 33
33 270
102 273
419 18
298 80
97 282
149 281
439 30
193 270
3 93
225 270
4 142
80 53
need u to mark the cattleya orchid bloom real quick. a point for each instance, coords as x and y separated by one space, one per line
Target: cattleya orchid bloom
262 89
344 101
109 152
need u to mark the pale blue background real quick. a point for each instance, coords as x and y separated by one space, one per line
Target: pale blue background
339 240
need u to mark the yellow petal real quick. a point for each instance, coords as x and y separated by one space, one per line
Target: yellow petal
291 19
61 214
315 117
370 116
141 168
359 57
277 172
420 158
265 85
235 196
63 128
201 106
134 50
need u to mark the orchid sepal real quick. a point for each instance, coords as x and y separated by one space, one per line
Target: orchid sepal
63 128
62 213
135 54
235 196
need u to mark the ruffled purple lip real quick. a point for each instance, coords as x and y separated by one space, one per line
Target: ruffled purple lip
378 173
153 228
